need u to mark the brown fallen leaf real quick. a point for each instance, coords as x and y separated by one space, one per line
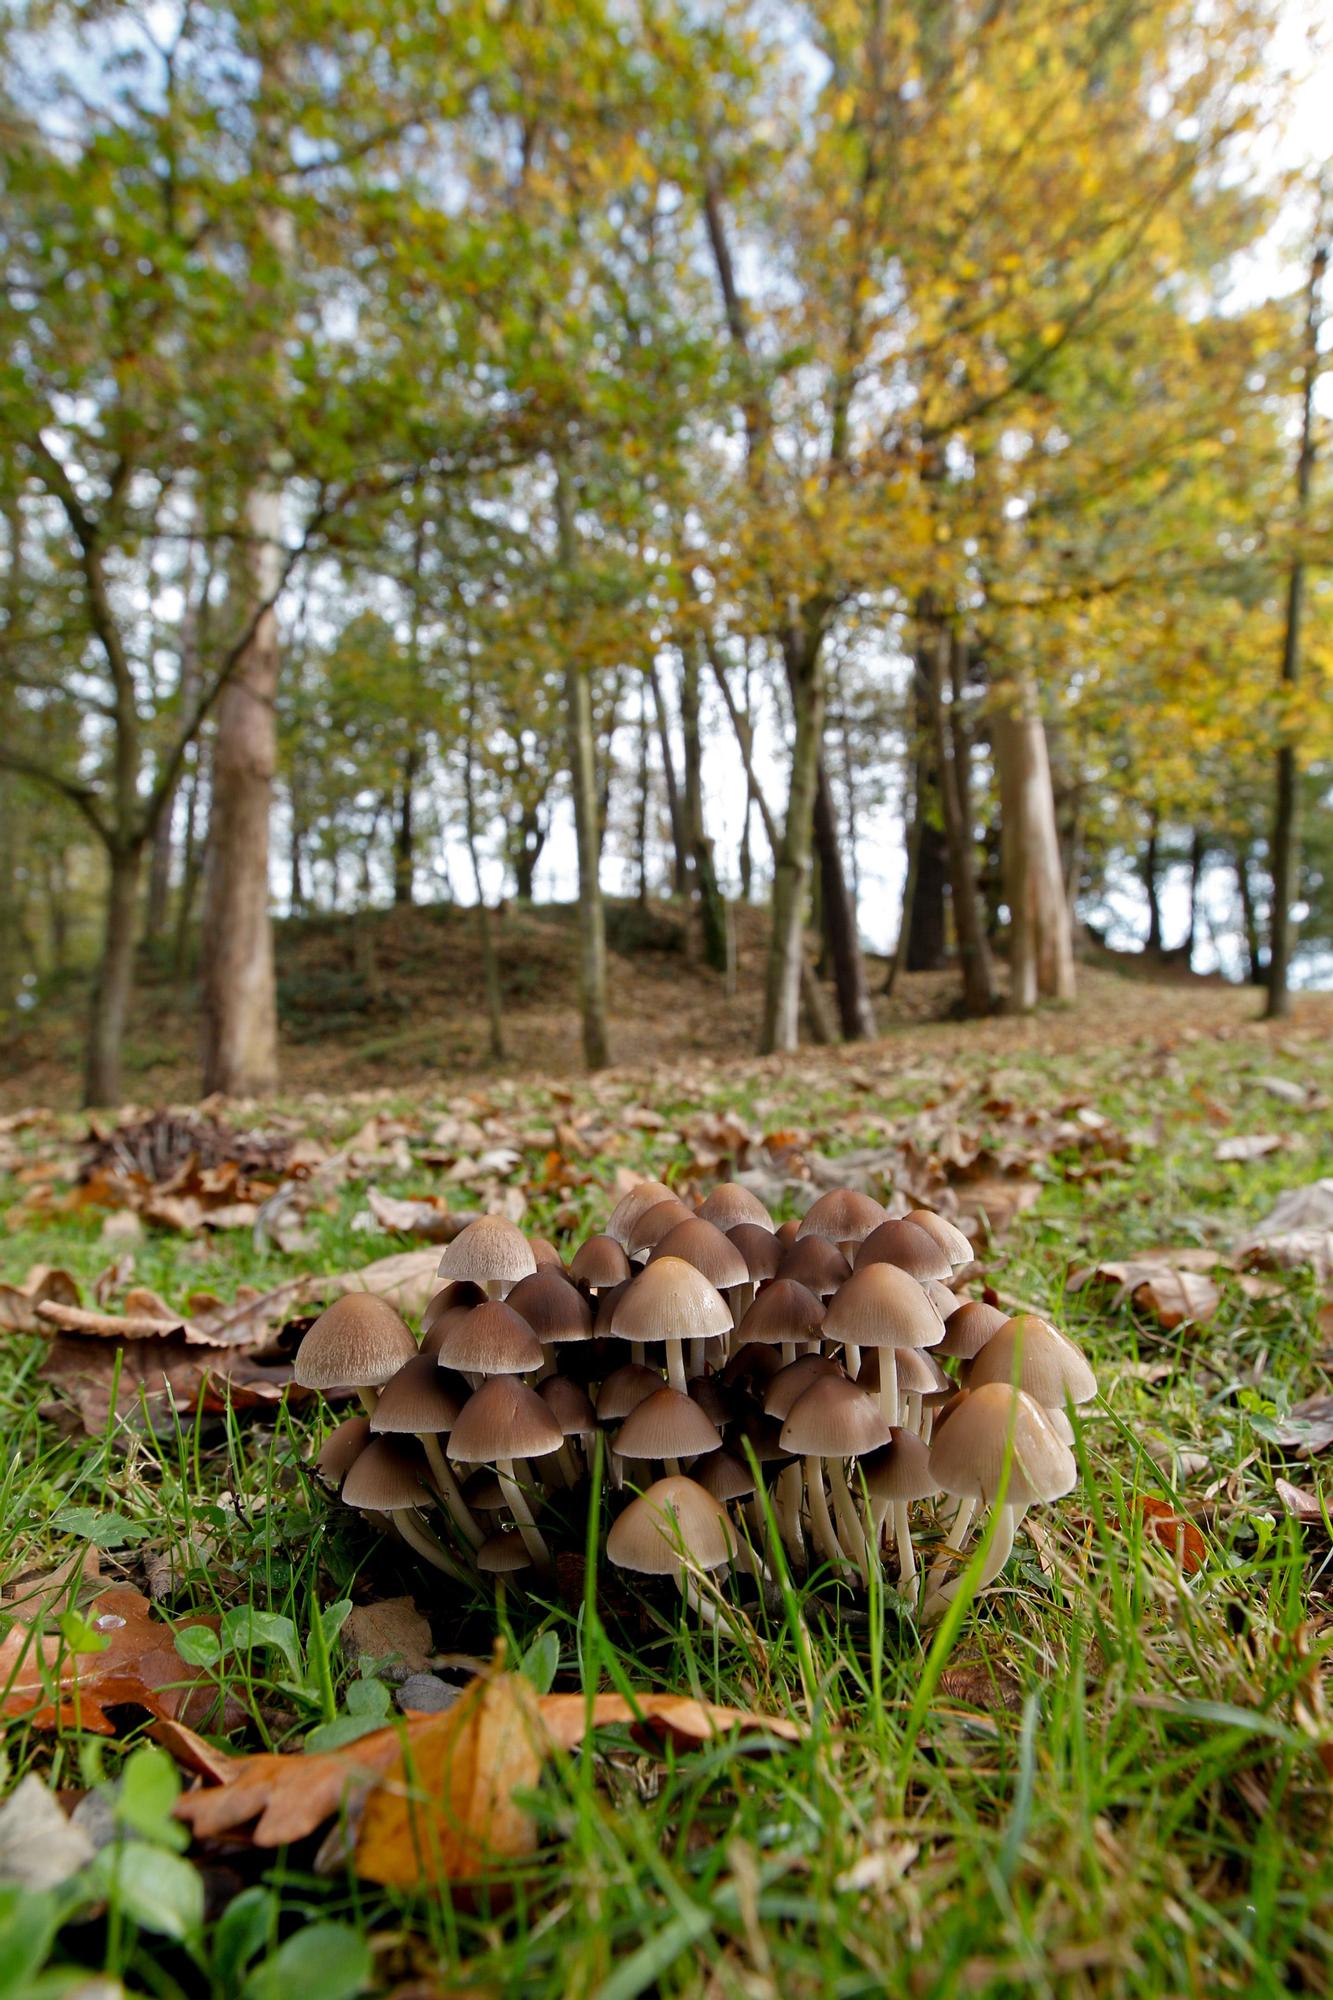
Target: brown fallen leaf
990 1205
1248 1146
1166 1283
393 1629
52 1687
1175 1532
680 1717
33 1595
1308 1426
1300 1502
427 1216
20 1304
1298 1230
407 1280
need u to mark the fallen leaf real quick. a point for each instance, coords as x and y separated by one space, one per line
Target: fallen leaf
1250 1147
427 1215
34 1595
53 1686
1308 1426
39 1847
21 1304
391 1630
407 1280
991 1205
1160 1282
1298 1501
686 1721
1175 1532
1297 1230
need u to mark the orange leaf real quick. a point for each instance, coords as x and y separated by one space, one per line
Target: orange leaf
54 1688
679 1716
1175 1532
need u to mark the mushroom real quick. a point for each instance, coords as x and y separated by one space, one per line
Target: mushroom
1032 1355
672 1530
641 1197
785 1312
665 1428
995 1428
599 1263
831 1421
459 1292
572 1410
503 1554
358 1343
968 1328
720 1260
895 1475
502 1422
951 1239
881 1306
547 1256
793 1381
672 1302
751 1367
624 1389
490 1252
729 1204
727 1478
907 1246
653 1225
492 1339
843 1216
423 1400
554 1308
341 1449
713 1398
389 1478
787 1232
817 1264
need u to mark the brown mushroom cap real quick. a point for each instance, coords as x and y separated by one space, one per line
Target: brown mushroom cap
547 1256
490 1251
357 1344
784 1310
763 1434
713 1399
843 1215
503 1419
624 1389
967 1452
817 1263
599 1263
341 1449
641 1197
907 1246
880 1306
606 1307
729 1203
461 1292
900 1470
1046 1363
503 1553
670 1300
761 1249
654 1223
554 1308
948 1235
569 1405
751 1367
791 1382
787 1232
483 1492
420 1397
969 1327
699 1243
387 1476
492 1339
939 1295
724 1475
834 1418
674 1525
666 1425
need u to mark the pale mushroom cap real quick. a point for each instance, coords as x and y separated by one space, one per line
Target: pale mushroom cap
503 1553
834 1419
555 1309
624 1389
342 1448
900 1470
1046 1363
641 1197
490 1251
386 1477
654 1223
730 1203
907 1246
791 1382
357 1344
761 1248
951 1239
881 1306
843 1215
491 1340
420 1397
784 1310
504 1419
969 1327
816 1263
699 1243
939 1295
670 1300
674 1525
666 1425
599 1263
967 1453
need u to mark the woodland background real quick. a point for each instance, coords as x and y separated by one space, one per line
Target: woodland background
470 456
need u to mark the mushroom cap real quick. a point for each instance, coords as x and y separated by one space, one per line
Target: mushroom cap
918 1372
723 1475
1060 1424
569 1405
599 1263
388 1476
606 1307
951 1239
553 1307
1028 1351
969 1327
900 1470
459 1292
880 1306
751 1367
443 1325
502 1553
906 1245
729 1203
702 1244
503 1419
666 1425
791 1382
641 1197
670 1300
650 1227
341 1449
359 1342
490 1251
547 1256
967 1452
787 1232
761 1249
843 1215
673 1525
939 1295
834 1418
483 1492
707 1391
420 1397
817 1263
624 1389
784 1310
763 1434
492 1339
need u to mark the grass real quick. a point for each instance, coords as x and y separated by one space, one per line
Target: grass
1111 1785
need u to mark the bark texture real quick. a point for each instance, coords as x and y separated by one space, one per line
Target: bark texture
1041 948
115 978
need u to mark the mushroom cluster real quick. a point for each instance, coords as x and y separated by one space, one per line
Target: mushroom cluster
821 1383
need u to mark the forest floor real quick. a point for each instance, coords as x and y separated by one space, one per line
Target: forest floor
1115 1782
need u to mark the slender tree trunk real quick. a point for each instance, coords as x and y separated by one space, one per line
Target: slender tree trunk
840 926
527 851
193 856
604 741
680 840
955 797
1041 963
1152 886
712 914
791 873
926 945
115 978
490 964
582 745
645 787
1254 954
404 843
1196 874
163 848
1286 821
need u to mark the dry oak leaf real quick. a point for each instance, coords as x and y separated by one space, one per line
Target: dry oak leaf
20 1304
52 1687
391 1629
1175 1532
1168 1283
687 1722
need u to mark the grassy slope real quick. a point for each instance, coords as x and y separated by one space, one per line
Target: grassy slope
1120 1796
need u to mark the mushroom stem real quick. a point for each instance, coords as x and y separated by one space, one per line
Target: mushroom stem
849 1527
672 1468
997 1555
788 1353
369 1399
516 1501
675 1359
913 1417
698 1357
787 1507
851 1359
888 1385
694 1597
740 1298
957 1533
419 1537
638 1351
907 1563
448 1489
821 1523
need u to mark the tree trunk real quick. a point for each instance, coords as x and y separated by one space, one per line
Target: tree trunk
194 854
712 914
791 873
527 851
680 840
239 996
592 922
1041 949
898 961
163 847
645 787
955 797
490 964
115 978
404 850
926 948
1250 919
1152 886
1196 873
839 919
